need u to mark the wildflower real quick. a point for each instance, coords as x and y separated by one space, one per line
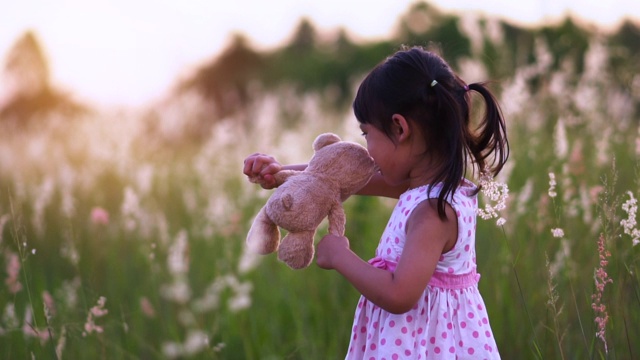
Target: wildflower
560 140
13 272
68 292
240 300
68 251
629 224
638 143
242 296
9 317
147 308
557 232
62 341
131 210
171 349
576 160
196 342
99 216
49 304
249 260
552 185
178 291
495 192
601 278
553 301
178 257
560 260
178 266
42 200
95 312
29 330
3 220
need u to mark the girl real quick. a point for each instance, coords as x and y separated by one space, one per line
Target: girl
420 296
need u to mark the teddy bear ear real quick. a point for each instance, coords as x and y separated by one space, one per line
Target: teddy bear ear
325 139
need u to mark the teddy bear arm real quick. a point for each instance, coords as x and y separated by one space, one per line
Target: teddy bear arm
282 176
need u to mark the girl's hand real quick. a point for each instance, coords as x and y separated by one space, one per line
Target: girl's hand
328 250
260 169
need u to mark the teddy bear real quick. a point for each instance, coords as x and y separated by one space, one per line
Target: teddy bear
303 199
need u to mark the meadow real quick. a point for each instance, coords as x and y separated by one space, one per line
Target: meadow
116 246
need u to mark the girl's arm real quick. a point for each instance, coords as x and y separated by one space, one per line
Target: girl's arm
263 167
427 238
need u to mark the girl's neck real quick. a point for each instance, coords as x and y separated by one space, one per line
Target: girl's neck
421 175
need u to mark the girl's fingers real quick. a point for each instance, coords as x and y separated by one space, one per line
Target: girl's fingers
260 168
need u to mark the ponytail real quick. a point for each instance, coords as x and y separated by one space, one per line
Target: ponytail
489 145
451 126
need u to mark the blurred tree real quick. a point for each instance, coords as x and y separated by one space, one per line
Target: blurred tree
219 89
304 38
27 90
427 26
624 47
330 65
518 45
308 63
226 80
26 67
419 19
567 42
299 62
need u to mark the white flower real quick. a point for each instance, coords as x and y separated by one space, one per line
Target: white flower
561 144
629 224
552 185
178 257
496 193
557 232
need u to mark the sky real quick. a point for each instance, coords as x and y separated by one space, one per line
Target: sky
130 52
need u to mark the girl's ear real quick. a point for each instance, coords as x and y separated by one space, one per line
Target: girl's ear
400 126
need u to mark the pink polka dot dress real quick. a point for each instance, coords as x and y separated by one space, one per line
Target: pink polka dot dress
450 320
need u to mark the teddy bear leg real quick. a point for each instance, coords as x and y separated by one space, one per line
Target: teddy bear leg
264 235
337 219
296 250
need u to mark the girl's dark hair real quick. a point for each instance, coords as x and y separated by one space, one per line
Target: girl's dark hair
404 84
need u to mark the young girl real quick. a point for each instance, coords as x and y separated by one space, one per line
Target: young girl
420 296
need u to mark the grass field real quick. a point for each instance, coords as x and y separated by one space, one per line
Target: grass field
115 248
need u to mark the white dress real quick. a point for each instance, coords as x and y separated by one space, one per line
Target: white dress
450 319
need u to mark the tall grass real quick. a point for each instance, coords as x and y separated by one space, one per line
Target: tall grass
115 247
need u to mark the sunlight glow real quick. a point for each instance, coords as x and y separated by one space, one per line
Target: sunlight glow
131 52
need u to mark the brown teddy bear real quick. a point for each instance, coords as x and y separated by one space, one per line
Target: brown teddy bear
303 199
